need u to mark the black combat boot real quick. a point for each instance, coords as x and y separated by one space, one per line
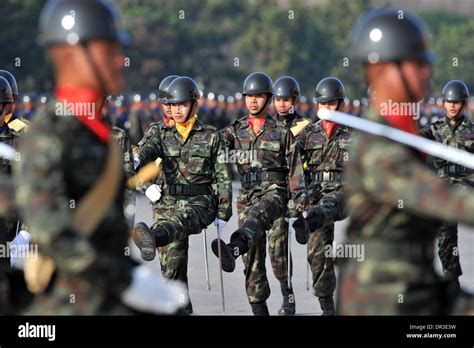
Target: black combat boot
147 240
304 226
237 247
260 309
288 306
327 305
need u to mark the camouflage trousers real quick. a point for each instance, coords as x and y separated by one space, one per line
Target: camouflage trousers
320 242
320 263
265 209
397 287
448 251
181 217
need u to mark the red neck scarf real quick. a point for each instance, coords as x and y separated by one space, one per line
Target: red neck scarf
78 95
256 123
168 121
329 127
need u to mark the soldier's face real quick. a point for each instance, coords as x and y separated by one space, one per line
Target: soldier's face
180 111
284 106
452 108
255 102
167 110
330 105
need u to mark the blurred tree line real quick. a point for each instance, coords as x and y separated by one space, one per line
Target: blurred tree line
219 42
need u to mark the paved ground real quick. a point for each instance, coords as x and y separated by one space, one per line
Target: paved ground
209 302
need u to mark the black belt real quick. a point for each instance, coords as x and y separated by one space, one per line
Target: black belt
454 169
189 190
258 176
327 176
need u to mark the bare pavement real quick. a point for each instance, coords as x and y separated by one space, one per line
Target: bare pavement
208 302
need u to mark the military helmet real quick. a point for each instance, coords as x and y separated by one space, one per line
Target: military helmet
391 35
163 88
329 88
79 21
12 81
258 83
286 87
6 95
182 89
455 91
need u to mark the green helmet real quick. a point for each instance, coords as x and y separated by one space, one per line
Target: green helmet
455 91
79 21
258 83
6 95
163 88
182 89
12 81
390 35
328 89
286 87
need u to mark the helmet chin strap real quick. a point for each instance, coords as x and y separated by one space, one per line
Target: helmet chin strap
263 107
190 111
94 67
411 95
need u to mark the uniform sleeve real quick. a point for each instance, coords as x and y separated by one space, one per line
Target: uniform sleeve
427 132
396 177
43 202
228 137
296 184
150 146
223 180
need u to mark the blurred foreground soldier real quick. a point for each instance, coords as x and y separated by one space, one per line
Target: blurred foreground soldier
198 188
262 149
394 198
324 146
285 98
70 177
457 131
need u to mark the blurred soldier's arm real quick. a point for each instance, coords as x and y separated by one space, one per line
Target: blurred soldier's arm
150 146
223 180
391 173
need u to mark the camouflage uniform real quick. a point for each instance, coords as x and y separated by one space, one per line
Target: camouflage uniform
263 197
394 201
61 160
460 136
278 234
192 163
325 159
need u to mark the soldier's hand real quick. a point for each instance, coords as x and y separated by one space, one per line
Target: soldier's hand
220 224
149 292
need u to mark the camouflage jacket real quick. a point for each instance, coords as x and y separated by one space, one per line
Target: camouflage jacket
126 149
324 157
460 136
194 161
272 149
12 138
290 120
60 161
394 195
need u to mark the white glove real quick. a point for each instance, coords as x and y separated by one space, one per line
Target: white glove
149 292
153 192
19 249
220 224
